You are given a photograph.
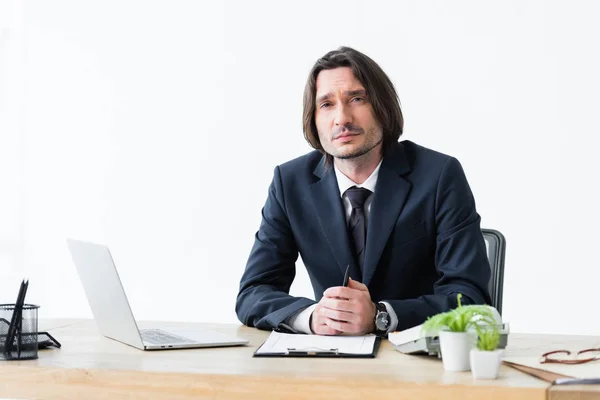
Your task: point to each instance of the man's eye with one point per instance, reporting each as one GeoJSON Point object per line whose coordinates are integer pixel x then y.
{"type": "Point", "coordinates": [325, 105]}
{"type": "Point", "coordinates": [357, 99]}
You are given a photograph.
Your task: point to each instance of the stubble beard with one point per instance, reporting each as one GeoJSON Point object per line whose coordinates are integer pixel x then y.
{"type": "Point", "coordinates": [360, 151]}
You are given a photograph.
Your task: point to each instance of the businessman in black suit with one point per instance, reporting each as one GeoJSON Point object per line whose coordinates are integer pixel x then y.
{"type": "Point", "coordinates": [402, 216]}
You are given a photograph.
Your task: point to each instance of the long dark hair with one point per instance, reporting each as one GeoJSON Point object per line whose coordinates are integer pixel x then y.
{"type": "Point", "coordinates": [380, 91]}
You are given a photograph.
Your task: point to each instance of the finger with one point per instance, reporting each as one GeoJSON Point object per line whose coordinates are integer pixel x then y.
{"type": "Point", "coordinates": [337, 304]}
{"type": "Point", "coordinates": [352, 284]}
{"type": "Point", "coordinates": [344, 327]}
{"type": "Point", "coordinates": [340, 291]}
{"type": "Point", "coordinates": [320, 328]}
{"type": "Point", "coordinates": [325, 330]}
{"type": "Point", "coordinates": [337, 325]}
{"type": "Point", "coordinates": [342, 316]}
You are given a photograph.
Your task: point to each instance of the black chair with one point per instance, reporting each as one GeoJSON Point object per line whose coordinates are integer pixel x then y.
{"type": "Point", "coordinates": [496, 248]}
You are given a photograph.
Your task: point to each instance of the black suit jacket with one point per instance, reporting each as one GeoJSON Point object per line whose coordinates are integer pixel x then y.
{"type": "Point", "coordinates": [424, 241]}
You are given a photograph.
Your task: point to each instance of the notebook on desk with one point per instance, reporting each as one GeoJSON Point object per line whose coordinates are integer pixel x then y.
{"type": "Point", "coordinates": [112, 311]}
{"type": "Point", "coordinates": [290, 345]}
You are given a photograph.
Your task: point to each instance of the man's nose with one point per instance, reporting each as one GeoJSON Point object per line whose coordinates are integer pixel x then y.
{"type": "Point", "coordinates": [343, 115]}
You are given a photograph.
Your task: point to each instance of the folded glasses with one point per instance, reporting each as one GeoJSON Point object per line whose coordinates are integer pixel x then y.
{"type": "Point", "coordinates": [564, 357]}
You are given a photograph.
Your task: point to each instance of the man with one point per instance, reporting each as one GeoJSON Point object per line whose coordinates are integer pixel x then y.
{"type": "Point", "coordinates": [400, 217]}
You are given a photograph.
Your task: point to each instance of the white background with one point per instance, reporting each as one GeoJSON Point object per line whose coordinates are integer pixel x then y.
{"type": "Point", "coordinates": [154, 127]}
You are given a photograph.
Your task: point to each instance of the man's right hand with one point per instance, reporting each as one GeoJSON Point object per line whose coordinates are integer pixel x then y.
{"type": "Point", "coordinates": [317, 322]}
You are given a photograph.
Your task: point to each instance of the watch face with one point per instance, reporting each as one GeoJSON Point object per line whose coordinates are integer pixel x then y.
{"type": "Point", "coordinates": [382, 321]}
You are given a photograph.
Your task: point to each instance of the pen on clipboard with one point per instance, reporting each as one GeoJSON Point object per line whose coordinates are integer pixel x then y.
{"type": "Point", "coordinates": [576, 381]}
{"type": "Point", "coordinates": [347, 276]}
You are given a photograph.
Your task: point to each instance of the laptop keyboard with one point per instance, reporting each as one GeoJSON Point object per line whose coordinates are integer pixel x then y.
{"type": "Point", "coordinates": [156, 336]}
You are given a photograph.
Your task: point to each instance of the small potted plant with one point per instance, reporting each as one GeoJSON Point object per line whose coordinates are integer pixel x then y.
{"type": "Point", "coordinates": [486, 357]}
{"type": "Point", "coordinates": [456, 334]}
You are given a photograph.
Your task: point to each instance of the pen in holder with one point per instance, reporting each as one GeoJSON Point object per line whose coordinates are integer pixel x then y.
{"type": "Point", "coordinates": [18, 332]}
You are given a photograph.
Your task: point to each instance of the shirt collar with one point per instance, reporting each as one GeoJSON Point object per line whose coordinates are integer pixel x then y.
{"type": "Point", "coordinates": [344, 183]}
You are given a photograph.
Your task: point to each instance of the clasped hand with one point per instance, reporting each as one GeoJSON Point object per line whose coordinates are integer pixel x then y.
{"type": "Point", "coordinates": [344, 311]}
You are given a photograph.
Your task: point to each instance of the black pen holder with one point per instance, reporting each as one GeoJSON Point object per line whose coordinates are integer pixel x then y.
{"type": "Point", "coordinates": [18, 333]}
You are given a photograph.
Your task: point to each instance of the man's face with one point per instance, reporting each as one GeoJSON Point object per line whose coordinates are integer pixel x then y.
{"type": "Point", "coordinates": [344, 117]}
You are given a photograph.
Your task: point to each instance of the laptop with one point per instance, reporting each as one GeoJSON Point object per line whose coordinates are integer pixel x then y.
{"type": "Point", "coordinates": [112, 311]}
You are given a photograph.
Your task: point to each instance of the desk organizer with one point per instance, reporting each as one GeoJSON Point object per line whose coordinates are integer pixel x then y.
{"type": "Point", "coordinates": [24, 344]}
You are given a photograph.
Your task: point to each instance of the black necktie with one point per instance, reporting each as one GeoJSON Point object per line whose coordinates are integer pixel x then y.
{"type": "Point", "coordinates": [356, 225]}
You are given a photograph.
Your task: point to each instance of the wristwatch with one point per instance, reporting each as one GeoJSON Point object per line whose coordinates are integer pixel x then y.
{"type": "Point", "coordinates": [382, 319]}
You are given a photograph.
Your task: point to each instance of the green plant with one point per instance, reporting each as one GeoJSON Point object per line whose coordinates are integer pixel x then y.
{"type": "Point", "coordinates": [459, 319]}
{"type": "Point", "coordinates": [487, 337]}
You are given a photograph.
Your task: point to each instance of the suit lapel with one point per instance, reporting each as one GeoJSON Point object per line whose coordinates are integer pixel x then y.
{"type": "Point", "coordinates": [391, 191]}
{"type": "Point", "coordinates": [327, 202]}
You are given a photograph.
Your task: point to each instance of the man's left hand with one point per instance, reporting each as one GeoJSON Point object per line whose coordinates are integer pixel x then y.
{"type": "Point", "coordinates": [349, 309]}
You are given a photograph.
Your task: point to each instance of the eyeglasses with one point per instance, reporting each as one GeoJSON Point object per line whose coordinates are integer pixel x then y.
{"type": "Point", "coordinates": [560, 357]}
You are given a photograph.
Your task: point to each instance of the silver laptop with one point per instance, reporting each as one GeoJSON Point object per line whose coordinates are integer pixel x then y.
{"type": "Point", "coordinates": [112, 311]}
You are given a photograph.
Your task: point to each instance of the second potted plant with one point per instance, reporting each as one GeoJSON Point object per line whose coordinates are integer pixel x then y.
{"type": "Point", "coordinates": [486, 357]}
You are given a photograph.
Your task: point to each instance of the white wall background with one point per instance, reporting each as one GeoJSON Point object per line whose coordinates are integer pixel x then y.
{"type": "Point", "coordinates": [11, 146]}
{"type": "Point", "coordinates": [154, 127]}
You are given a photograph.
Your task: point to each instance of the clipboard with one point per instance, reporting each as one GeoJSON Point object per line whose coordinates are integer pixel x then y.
{"type": "Point", "coordinates": [311, 351]}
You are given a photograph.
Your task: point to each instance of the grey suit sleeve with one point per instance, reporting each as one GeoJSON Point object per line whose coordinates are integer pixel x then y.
{"type": "Point", "coordinates": [263, 299]}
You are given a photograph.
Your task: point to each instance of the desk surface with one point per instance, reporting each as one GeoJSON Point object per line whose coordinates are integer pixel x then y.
{"type": "Point", "coordinates": [92, 367]}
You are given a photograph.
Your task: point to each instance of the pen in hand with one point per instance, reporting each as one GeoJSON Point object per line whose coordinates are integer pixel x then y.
{"type": "Point", "coordinates": [347, 276]}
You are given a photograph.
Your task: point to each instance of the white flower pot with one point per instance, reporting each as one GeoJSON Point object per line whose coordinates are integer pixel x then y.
{"type": "Point", "coordinates": [485, 364]}
{"type": "Point", "coordinates": [455, 348]}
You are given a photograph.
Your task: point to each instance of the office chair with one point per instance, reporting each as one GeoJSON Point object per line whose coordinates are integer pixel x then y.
{"type": "Point", "coordinates": [496, 248]}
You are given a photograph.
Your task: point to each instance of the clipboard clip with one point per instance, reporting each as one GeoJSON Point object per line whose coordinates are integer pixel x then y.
{"type": "Point", "coordinates": [312, 351]}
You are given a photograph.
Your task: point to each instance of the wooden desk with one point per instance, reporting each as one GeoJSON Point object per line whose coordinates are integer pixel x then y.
{"type": "Point", "coordinates": [89, 367]}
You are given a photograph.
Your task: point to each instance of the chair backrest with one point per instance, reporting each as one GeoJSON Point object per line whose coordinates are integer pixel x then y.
{"type": "Point", "coordinates": [496, 248]}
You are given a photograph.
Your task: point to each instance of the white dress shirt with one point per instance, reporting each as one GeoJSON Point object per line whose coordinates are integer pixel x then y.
{"type": "Point", "coordinates": [301, 321]}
